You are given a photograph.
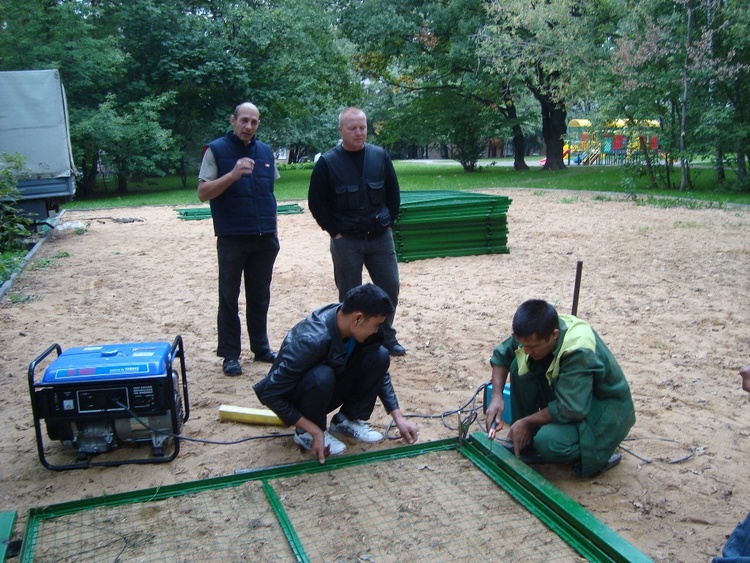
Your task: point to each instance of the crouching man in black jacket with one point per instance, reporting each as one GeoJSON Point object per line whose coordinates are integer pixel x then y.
{"type": "Point", "coordinates": [335, 358]}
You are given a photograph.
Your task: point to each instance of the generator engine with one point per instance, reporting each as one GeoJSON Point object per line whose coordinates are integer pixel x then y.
{"type": "Point", "coordinates": [95, 399]}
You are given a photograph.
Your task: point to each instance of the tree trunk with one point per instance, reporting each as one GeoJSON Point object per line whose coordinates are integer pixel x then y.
{"type": "Point", "coordinates": [182, 171]}
{"type": "Point", "coordinates": [87, 179]}
{"type": "Point", "coordinates": [647, 159]}
{"type": "Point", "coordinates": [668, 172]}
{"type": "Point", "coordinates": [554, 129]}
{"type": "Point", "coordinates": [122, 182]}
{"type": "Point", "coordinates": [519, 151]}
{"type": "Point", "coordinates": [295, 153]}
{"type": "Point", "coordinates": [685, 171]}
{"type": "Point", "coordinates": [721, 175]}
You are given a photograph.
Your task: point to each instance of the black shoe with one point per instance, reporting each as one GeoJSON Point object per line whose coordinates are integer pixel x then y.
{"type": "Point", "coordinates": [267, 357]}
{"type": "Point", "coordinates": [232, 367]}
{"type": "Point", "coordinates": [614, 460]}
{"type": "Point", "coordinates": [396, 349]}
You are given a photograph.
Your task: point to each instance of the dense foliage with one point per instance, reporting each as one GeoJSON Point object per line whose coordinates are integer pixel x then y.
{"type": "Point", "coordinates": [14, 228]}
{"type": "Point", "coordinates": [149, 82]}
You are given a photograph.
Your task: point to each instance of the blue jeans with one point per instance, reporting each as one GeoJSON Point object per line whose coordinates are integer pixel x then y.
{"type": "Point", "coordinates": [737, 548]}
{"type": "Point", "coordinates": [378, 254]}
{"type": "Point", "coordinates": [253, 257]}
{"type": "Point", "coordinates": [355, 390]}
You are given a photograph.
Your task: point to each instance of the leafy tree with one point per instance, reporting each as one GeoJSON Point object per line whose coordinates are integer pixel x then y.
{"type": "Point", "coordinates": [161, 78]}
{"type": "Point", "coordinates": [38, 34]}
{"type": "Point", "coordinates": [180, 50]}
{"type": "Point", "coordinates": [290, 64]}
{"type": "Point", "coordinates": [426, 53]}
{"type": "Point", "coordinates": [134, 140]}
{"type": "Point", "coordinates": [307, 135]}
{"type": "Point", "coordinates": [550, 47]}
{"type": "Point", "coordinates": [684, 64]}
{"type": "Point", "coordinates": [197, 58]}
{"type": "Point", "coordinates": [725, 44]}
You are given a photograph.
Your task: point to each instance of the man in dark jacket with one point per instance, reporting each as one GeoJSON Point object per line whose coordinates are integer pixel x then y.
{"type": "Point", "coordinates": [237, 176]}
{"type": "Point", "coordinates": [354, 196]}
{"type": "Point", "coordinates": [335, 358]}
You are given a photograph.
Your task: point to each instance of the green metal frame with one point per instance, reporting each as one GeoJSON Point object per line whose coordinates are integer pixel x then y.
{"type": "Point", "coordinates": [439, 223]}
{"type": "Point", "coordinates": [568, 519]}
{"type": "Point", "coordinates": [7, 522]}
{"type": "Point", "coordinates": [200, 213]}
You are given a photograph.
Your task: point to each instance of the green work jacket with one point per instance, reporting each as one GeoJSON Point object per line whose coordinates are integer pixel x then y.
{"type": "Point", "coordinates": [581, 383]}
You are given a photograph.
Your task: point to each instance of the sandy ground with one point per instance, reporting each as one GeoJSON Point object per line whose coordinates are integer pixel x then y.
{"type": "Point", "coordinates": [667, 289]}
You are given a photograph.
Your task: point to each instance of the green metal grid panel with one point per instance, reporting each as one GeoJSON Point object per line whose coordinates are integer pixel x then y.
{"type": "Point", "coordinates": [445, 223]}
{"type": "Point", "coordinates": [226, 524]}
{"type": "Point", "coordinates": [439, 500]}
{"type": "Point", "coordinates": [201, 213]}
{"type": "Point", "coordinates": [434, 507]}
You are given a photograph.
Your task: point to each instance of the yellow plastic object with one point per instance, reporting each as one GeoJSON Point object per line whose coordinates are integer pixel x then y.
{"type": "Point", "coordinates": [249, 415]}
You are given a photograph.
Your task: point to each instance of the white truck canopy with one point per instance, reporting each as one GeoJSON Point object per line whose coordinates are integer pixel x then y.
{"type": "Point", "coordinates": [34, 121]}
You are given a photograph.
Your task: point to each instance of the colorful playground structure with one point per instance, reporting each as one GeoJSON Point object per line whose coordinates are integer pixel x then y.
{"type": "Point", "coordinates": [617, 142]}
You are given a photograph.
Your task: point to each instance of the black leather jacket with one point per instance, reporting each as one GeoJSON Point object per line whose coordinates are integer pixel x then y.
{"type": "Point", "coordinates": [311, 342]}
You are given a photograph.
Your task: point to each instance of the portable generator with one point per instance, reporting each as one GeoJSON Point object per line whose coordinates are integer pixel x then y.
{"type": "Point", "coordinates": [97, 398]}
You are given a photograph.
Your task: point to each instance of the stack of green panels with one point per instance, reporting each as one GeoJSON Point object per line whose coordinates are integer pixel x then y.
{"type": "Point", "coordinates": [436, 224]}
{"type": "Point", "coordinates": [199, 213]}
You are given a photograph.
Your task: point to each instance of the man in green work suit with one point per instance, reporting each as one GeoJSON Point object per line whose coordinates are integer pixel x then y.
{"type": "Point", "coordinates": [569, 398]}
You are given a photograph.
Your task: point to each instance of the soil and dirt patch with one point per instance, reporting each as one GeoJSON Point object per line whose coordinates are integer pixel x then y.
{"type": "Point", "coordinates": [666, 288]}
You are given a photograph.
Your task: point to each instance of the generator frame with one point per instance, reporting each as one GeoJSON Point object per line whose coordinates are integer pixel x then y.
{"type": "Point", "coordinates": [37, 391]}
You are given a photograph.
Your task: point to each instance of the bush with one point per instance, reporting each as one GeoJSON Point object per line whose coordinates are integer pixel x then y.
{"type": "Point", "coordinates": [296, 166]}
{"type": "Point", "coordinates": [14, 227]}
{"type": "Point", "coordinates": [9, 262]}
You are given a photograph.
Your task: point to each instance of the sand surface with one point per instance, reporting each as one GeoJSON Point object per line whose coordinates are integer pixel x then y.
{"type": "Point", "coordinates": [666, 288]}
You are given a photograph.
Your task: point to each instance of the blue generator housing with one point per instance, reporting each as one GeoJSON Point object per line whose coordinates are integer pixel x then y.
{"type": "Point", "coordinates": [97, 398]}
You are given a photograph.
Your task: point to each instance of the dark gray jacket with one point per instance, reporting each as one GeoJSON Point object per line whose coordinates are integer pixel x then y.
{"type": "Point", "coordinates": [313, 341]}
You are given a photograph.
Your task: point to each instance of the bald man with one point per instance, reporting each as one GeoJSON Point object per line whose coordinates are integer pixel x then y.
{"type": "Point", "coordinates": [237, 177]}
{"type": "Point", "coordinates": [354, 196]}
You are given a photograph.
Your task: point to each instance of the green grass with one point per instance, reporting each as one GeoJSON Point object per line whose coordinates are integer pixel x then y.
{"type": "Point", "coordinates": [9, 262]}
{"type": "Point", "coordinates": [419, 176]}
{"type": "Point", "coordinates": [607, 183]}
{"type": "Point", "coordinates": [44, 263]}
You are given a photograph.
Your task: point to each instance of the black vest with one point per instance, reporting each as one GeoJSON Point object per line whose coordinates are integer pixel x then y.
{"type": "Point", "coordinates": [359, 199]}
{"type": "Point", "coordinates": [248, 206]}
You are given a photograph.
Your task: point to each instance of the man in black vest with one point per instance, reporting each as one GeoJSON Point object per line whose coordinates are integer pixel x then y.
{"type": "Point", "coordinates": [237, 176]}
{"type": "Point", "coordinates": [354, 196]}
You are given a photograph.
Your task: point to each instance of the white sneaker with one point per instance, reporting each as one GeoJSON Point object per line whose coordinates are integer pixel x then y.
{"type": "Point", "coordinates": [357, 429]}
{"type": "Point", "coordinates": [305, 440]}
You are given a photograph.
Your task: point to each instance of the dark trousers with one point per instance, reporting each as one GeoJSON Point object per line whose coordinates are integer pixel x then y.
{"type": "Point", "coordinates": [350, 254]}
{"type": "Point", "coordinates": [737, 548]}
{"type": "Point", "coordinates": [252, 257]}
{"type": "Point", "coordinates": [558, 443]}
{"type": "Point", "coordinates": [355, 390]}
